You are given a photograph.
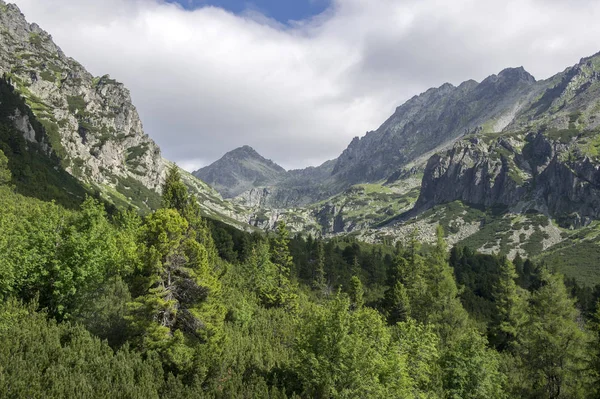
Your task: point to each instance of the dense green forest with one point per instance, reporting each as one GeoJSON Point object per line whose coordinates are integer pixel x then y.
{"type": "Point", "coordinates": [106, 305]}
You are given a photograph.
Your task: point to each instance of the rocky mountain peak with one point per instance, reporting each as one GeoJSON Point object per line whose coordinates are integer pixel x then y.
{"type": "Point", "coordinates": [240, 170]}
{"type": "Point", "coordinates": [516, 74]}
{"type": "Point", "coordinates": [91, 123]}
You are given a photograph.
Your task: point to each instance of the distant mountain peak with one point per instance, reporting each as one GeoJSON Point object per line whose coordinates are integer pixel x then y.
{"type": "Point", "coordinates": [518, 73]}
{"type": "Point", "coordinates": [240, 170]}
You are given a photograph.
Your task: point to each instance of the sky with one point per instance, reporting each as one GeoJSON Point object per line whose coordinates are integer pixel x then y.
{"type": "Point", "coordinates": [298, 79]}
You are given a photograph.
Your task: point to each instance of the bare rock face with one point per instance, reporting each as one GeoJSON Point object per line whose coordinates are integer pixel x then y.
{"type": "Point", "coordinates": [552, 177]}
{"type": "Point", "coordinates": [438, 116]}
{"type": "Point", "coordinates": [91, 123]}
{"type": "Point", "coordinates": [471, 172]}
{"type": "Point", "coordinates": [548, 156]}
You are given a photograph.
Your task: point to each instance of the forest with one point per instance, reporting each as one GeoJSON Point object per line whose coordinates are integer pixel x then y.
{"type": "Point", "coordinates": [106, 303]}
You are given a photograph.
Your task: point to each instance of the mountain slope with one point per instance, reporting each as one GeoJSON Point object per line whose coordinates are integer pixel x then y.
{"type": "Point", "coordinates": [35, 170]}
{"type": "Point", "coordinates": [89, 123]}
{"type": "Point", "coordinates": [432, 119]}
{"type": "Point", "coordinates": [548, 156]}
{"type": "Point", "coordinates": [240, 170]}
{"type": "Point", "coordinates": [423, 124]}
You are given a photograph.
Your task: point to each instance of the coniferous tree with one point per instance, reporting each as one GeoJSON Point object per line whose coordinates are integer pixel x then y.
{"type": "Point", "coordinates": [174, 192]}
{"type": "Point", "coordinates": [441, 304]}
{"type": "Point", "coordinates": [281, 256]}
{"type": "Point", "coordinates": [398, 304]}
{"type": "Point", "coordinates": [552, 346]}
{"type": "Point", "coordinates": [5, 174]}
{"type": "Point", "coordinates": [319, 281]}
{"type": "Point", "coordinates": [511, 312]}
{"type": "Point", "coordinates": [356, 293]}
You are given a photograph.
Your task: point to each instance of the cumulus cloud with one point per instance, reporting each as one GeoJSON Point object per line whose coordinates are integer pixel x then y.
{"type": "Point", "coordinates": [207, 81]}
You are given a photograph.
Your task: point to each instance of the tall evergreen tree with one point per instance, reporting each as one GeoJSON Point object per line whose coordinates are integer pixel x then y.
{"type": "Point", "coordinates": [397, 304]}
{"type": "Point", "coordinates": [280, 254]}
{"type": "Point", "coordinates": [552, 346]}
{"type": "Point", "coordinates": [441, 303]}
{"type": "Point", "coordinates": [511, 311]}
{"type": "Point", "coordinates": [356, 293]}
{"type": "Point", "coordinates": [174, 192]}
{"type": "Point", "coordinates": [5, 174]}
{"type": "Point", "coordinates": [319, 281]}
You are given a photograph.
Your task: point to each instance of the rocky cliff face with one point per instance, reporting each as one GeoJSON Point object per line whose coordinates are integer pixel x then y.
{"type": "Point", "coordinates": [90, 123]}
{"type": "Point", "coordinates": [546, 158]}
{"type": "Point", "coordinates": [424, 123]}
{"type": "Point", "coordinates": [432, 119]}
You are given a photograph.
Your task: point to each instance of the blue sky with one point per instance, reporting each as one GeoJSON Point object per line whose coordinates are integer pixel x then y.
{"type": "Point", "coordinates": [280, 10]}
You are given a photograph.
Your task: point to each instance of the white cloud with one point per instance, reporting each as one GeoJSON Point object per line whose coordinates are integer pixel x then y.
{"type": "Point", "coordinates": [207, 81]}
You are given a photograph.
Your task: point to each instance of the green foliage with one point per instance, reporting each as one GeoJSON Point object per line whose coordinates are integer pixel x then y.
{"type": "Point", "coordinates": [5, 175]}
{"type": "Point", "coordinates": [35, 39]}
{"type": "Point", "coordinates": [349, 354]}
{"type": "Point", "coordinates": [510, 314]}
{"type": "Point", "coordinates": [471, 370]}
{"type": "Point", "coordinates": [34, 172]}
{"type": "Point", "coordinates": [48, 76]}
{"type": "Point", "coordinates": [356, 293]}
{"type": "Point", "coordinates": [552, 346]}
{"type": "Point", "coordinates": [136, 152]}
{"type": "Point", "coordinates": [76, 104]}
{"type": "Point", "coordinates": [170, 305]}
{"type": "Point", "coordinates": [41, 358]}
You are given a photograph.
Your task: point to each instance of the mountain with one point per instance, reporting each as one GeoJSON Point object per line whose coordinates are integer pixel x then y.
{"type": "Point", "coordinates": [88, 123]}
{"type": "Point", "coordinates": [417, 128]}
{"type": "Point", "coordinates": [548, 156]}
{"type": "Point", "coordinates": [240, 170]}
{"type": "Point", "coordinates": [508, 165]}
{"type": "Point", "coordinates": [431, 120]}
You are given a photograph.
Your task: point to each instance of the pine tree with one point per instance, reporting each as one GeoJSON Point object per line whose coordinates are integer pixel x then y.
{"type": "Point", "coordinates": [5, 175]}
{"type": "Point", "coordinates": [356, 293]}
{"type": "Point", "coordinates": [551, 345]}
{"type": "Point", "coordinates": [280, 254]}
{"type": "Point", "coordinates": [319, 282]}
{"type": "Point", "coordinates": [510, 303]}
{"type": "Point", "coordinates": [174, 192]}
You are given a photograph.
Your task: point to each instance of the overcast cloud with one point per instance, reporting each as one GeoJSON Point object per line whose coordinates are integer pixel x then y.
{"type": "Point", "coordinates": [207, 81]}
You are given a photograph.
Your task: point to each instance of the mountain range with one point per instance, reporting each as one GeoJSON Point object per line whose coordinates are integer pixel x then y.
{"type": "Point", "coordinates": [509, 164]}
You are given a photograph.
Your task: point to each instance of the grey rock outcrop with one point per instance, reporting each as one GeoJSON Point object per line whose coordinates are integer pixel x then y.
{"type": "Point", "coordinates": [90, 122]}
{"type": "Point", "coordinates": [547, 156]}
{"type": "Point", "coordinates": [92, 125]}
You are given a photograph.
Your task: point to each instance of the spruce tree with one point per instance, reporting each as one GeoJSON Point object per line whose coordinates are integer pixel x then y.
{"type": "Point", "coordinates": [511, 312]}
{"type": "Point", "coordinates": [441, 304]}
{"type": "Point", "coordinates": [280, 254]}
{"type": "Point", "coordinates": [356, 293]}
{"type": "Point", "coordinates": [552, 346]}
{"type": "Point", "coordinates": [319, 282]}
{"type": "Point", "coordinates": [174, 192]}
{"type": "Point", "coordinates": [398, 304]}
{"type": "Point", "coordinates": [5, 175]}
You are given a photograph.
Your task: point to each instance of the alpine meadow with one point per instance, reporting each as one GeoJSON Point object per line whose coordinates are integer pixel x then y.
{"type": "Point", "coordinates": [452, 253]}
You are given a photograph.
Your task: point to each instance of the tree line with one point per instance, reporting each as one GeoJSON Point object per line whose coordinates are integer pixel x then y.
{"type": "Point", "coordinates": [170, 304]}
